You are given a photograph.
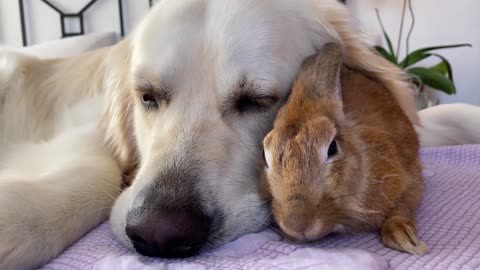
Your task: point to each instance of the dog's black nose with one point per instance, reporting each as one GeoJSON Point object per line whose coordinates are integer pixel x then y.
{"type": "Point", "coordinates": [171, 233]}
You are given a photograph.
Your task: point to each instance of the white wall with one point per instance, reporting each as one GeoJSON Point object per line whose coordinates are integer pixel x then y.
{"type": "Point", "coordinates": [438, 22]}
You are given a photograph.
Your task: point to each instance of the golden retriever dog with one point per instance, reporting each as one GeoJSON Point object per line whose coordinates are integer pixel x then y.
{"type": "Point", "coordinates": [176, 111]}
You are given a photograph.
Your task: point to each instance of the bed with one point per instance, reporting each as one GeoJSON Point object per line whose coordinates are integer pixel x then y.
{"type": "Point", "coordinates": [448, 220]}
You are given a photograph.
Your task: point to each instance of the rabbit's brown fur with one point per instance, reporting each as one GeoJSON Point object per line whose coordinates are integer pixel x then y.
{"type": "Point", "coordinates": [375, 179]}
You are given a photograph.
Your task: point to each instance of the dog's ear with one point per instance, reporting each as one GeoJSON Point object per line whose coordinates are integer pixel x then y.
{"type": "Point", "coordinates": [333, 22]}
{"type": "Point", "coordinates": [117, 121]}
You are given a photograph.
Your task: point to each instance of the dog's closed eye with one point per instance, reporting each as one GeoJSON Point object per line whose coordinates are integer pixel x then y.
{"type": "Point", "coordinates": [247, 99]}
{"type": "Point", "coordinates": [245, 103]}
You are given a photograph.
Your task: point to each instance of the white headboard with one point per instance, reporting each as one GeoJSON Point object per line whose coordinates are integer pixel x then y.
{"type": "Point", "coordinates": [27, 22]}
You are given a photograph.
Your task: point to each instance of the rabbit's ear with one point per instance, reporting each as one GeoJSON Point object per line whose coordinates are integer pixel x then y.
{"type": "Point", "coordinates": [323, 71]}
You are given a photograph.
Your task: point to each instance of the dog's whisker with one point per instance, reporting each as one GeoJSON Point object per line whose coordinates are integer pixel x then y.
{"type": "Point", "coordinates": [110, 195]}
{"type": "Point", "coordinates": [265, 220]}
{"type": "Point", "coordinates": [239, 210]}
{"type": "Point", "coordinates": [242, 184]}
{"type": "Point", "coordinates": [255, 153]}
{"type": "Point", "coordinates": [118, 188]}
{"type": "Point", "coordinates": [273, 228]}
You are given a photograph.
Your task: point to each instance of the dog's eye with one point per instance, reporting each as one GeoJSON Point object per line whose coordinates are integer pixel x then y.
{"type": "Point", "coordinates": [251, 103]}
{"type": "Point", "coordinates": [149, 101]}
{"type": "Point", "coordinates": [332, 149]}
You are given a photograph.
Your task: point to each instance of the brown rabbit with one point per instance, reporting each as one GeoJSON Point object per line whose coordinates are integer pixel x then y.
{"type": "Point", "coordinates": [343, 157]}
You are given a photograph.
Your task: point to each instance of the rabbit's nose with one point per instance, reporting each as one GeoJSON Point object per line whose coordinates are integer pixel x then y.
{"type": "Point", "coordinates": [316, 230]}
{"type": "Point", "coordinates": [295, 225]}
{"type": "Point", "coordinates": [303, 231]}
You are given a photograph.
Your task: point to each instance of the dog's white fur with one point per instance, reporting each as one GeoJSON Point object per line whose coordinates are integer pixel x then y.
{"type": "Point", "coordinates": [57, 178]}
{"type": "Point", "coordinates": [449, 124]}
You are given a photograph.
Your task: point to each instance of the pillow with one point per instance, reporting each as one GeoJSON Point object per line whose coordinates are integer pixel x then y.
{"type": "Point", "coordinates": [69, 46]}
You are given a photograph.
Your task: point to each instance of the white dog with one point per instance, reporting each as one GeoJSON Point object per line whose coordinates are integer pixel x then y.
{"type": "Point", "coordinates": [188, 98]}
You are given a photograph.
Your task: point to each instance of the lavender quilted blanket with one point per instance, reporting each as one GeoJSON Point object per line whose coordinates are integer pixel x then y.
{"type": "Point", "coordinates": [449, 222]}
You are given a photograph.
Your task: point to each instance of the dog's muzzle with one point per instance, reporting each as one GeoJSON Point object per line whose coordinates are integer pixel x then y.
{"type": "Point", "coordinates": [169, 233]}
{"type": "Point", "coordinates": [166, 219]}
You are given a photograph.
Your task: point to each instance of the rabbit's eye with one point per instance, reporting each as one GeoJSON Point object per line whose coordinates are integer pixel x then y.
{"type": "Point", "coordinates": [332, 149]}
{"type": "Point", "coordinates": [264, 158]}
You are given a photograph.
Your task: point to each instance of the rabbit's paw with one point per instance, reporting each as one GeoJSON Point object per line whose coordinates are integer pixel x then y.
{"type": "Point", "coordinates": [400, 233]}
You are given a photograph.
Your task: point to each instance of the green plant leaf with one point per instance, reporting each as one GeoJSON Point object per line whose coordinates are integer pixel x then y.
{"type": "Point", "coordinates": [413, 59]}
{"type": "Point", "coordinates": [385, 35]}
{"type": "Point", "coordinates": [444, 66]}
{"type": "Point", "coordinates": [441, 67]}
{"type": "Point", "coordinates": [386, 55]}
{"type": "Point", "coordinates": [434, 79]}
{"type": "Point", "coordinates": [421, 54]}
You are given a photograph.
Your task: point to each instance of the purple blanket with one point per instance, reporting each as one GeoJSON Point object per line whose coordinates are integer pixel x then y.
{"type": "Point", "coordinates": [448, 221]}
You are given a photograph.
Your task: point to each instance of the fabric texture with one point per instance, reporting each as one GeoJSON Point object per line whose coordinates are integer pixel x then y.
{"type": "Point", "coordinates": [448, 221]}
{"type": "Point", "coordinates": [68, 46]}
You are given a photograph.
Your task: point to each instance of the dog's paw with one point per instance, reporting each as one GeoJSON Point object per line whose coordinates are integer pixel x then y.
{"type": "Point", "coordinates": [11, 229]}
{"type": "Point", "coordinates": [21, 245]}
{"type": "Point", "coordinates": [6, 258]}
{"type": "Point", "coordinates": [401, 234]}
{"type": "Point", "coordinates": [16, 254]}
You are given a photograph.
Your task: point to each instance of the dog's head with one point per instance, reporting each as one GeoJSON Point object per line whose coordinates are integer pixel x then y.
{"type": "Point", "coordinates": [205, 80]}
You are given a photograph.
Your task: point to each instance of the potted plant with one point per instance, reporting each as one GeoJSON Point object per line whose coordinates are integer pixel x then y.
{"type": "Point", "coordinates": [438, 77]}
